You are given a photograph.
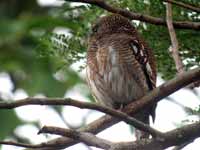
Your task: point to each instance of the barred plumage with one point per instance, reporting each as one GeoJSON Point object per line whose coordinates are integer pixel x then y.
{"type": "Point", "coordinates": [120, 66]}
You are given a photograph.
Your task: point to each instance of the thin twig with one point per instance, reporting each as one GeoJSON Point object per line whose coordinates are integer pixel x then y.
{"type": "Point", "coordinates": [184, 5]}
{"type": "Point", "coordinates": [175, 46]}
{"type": "Point", "coordinates": [23, 144]}
{"type": "Point", "coordinates": [174, 41]}
{"type": "Point", "coordinates": [186, 109]}
{"type": "Point", "coordinates": [138, 16]}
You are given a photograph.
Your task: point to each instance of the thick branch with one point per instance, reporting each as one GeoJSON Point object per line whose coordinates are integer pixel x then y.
{"type": "Point", "coordinates": [174, 137]}
{"type": "Point", "coordinates": [157, 94]}
{"type": "Point", "coordinates": [171, 138]}
{"type": "Point", "coordinates": [138, 16]}
{"type": "Point", "coordinates": [184, 5]}
{"type": "Point", "coordinates": [182, 145]}
{"type": "Point", "coordinates": [164, 90]}
{"type": "Point", "coordinates": [87, 138]}
{"type": "Point", "coordinates": [174, 50]}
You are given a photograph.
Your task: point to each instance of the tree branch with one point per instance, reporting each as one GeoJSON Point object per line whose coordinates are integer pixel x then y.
{"type": "Point", "coordinates": [157, 94]}
{"type": "Point", "coordinates": [184, 5]}
{"type": "Point", "coordinates": [175, 46]}
{"type": "Point", "coordinates": [164, 89]}
{"type": "Point", "coordinates": [171, 138]}
{"type": "Point", "coordinates": [182, 145]}
{"type": "Point", "coordinates": [174, 137]}
{"type": "Point", "coordinates": [174, 50]}
{"type": "Point", "coordinates": [138, 16]}
{"type": "Point", "coordinates": [24, 145]}
{"type": "Point", "coordinates": [87, 138]}
{"type": "Point", "coordinates": [69, 102]}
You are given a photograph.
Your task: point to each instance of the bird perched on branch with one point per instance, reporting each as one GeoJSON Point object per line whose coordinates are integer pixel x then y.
{"type": "Point", "coordinates": [120, 66]}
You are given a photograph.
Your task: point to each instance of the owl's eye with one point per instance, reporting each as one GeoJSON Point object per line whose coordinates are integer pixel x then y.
{"type": "Point", "coordinates": [95, 28]}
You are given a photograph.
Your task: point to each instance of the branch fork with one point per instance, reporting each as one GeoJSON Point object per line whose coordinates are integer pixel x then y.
{"type": "Point", "coordinates": [115, 116]}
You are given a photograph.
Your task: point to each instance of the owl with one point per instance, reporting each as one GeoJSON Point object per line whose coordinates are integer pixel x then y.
{"type": "Point", "coordinates": [121, 67]}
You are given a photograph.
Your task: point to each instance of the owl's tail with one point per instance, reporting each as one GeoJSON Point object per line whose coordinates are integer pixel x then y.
{"type": "Point", "coordinates": [144, 117]}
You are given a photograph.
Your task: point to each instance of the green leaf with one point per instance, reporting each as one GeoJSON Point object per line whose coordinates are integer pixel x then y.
{"type": "Point", "coordinates": [9, 121]}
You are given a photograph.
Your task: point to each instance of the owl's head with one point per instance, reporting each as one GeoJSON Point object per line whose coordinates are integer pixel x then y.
{"type": "Point", "coordinates": [112, 24]}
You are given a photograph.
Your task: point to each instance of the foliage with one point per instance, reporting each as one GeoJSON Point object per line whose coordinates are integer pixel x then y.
{"type": "Point", "coordinates": [33, 53]}
{"type": "Point", "coordinates": [8, 123]}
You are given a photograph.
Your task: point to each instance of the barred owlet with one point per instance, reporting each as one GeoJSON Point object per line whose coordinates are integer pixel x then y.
{"type": "Point", "coordinates": [120, 66]}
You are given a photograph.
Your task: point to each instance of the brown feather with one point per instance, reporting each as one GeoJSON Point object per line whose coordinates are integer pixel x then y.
{"type": "Point", "coordinates": [121, 67]}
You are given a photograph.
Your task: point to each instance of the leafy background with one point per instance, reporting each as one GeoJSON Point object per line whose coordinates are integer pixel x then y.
{"type": "Point", "coordinates": [39, 44]}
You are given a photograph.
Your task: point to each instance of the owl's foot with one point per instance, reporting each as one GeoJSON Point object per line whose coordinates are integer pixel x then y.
{"type": "Point", "coordinates": [141, 134]}
{"type": "Point", "coordinates": [121, 107]}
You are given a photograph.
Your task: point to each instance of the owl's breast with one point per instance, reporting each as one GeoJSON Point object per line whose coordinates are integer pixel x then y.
{"type": "Point", "coordinates": [113, 83]}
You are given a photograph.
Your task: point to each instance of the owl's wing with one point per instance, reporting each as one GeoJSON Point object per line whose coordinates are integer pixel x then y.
{"type": "Point", "coordinates": [145, 57]}
{"type": "Point", "coordinates": [141, 54]}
